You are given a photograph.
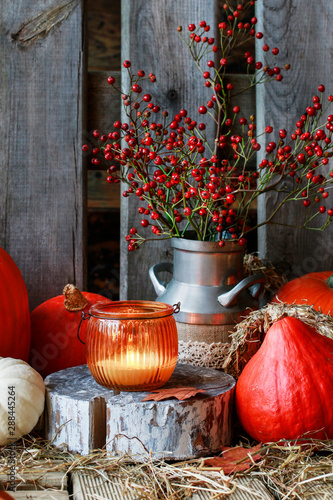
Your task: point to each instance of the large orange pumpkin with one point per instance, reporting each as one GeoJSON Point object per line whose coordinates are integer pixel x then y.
{"type": "Point", "coordinates": [14, 310]}
{"type": "Point", "coordinates": [313, 289]}
{"type": "Point", "coordinates": [5, 496]}
{"type": "Point", "coordinates": [54, 324]}
{"type": "Point", "coordinates": [285, 390]}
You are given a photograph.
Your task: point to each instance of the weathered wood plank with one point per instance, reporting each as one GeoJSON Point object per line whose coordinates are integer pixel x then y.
{"type": "Point", "coordinates": [42, 182]}
{"type": "Point", "coordinates": [103, 102]}
{"type": "Point", "coordinates": [101, 194]}
{"type": "Point", "coordinates": [103, 20]}
{"type": "Point", "coordinates": [317, 490]}
{"type": "Point", "coordinates": [86, 484]}
{"type": "Point", "coordinates": [39, 495]}
{"type": "Point", "coordinates": [247, 488]}
{"type": "Point", "coordinates": [36, 480]}
{"type": "Point", "coordinates": [104, 108]}
{"type": "Point", "coordinates": [150, 40]}
{"type": "Point", "coordinates": [286, 25]}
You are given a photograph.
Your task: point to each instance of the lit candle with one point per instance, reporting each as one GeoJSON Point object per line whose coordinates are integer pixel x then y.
{"type": "Point", "coordinates": [135, 369]}
{"type": "Point", "coordinates": [132, 346]}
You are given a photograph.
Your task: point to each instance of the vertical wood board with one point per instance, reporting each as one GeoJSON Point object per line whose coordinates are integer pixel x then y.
{"type": "Point", "coordinates": [302, 30]}
{"type": "Point", "coordinates": [103, 102]}
{"type": "Point", "coordinates": [103, 22]}
{"type": "Point", "coordinates": [104, 108]}
{"type": "Point", "coordinates": [42, 181]}
{"type": "Point", "coordinates": [151, 42]}
{"type": "Point", "coordinates": [103, 105]}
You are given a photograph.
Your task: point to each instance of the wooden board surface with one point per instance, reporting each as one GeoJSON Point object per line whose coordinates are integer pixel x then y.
{"type": "Point", "coordinates": [42, 184]}
{"type": "Point", "coordinates": [104, 108]}
{"type": "Point", "coordinates": [39, 495]}
{"type": "Point", "coordinates": [245, 488]}
{"type": "Point", "coordinates": [36, 480]}
{"type": "Point", "coordinates": [87, 416]}
{"type": "Point", "coordinates": [87, 484]}
{"type": "Point", "coordinates": [288, 25]}
{"type": "Point", "coordinates": [101, 194]}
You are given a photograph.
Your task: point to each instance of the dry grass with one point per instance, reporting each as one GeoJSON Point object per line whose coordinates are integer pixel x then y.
{"type": "Point", "coordinates": [274, 279]}
{"type": "Point", "coordinates": [249, 333]}
{"type": "Point", "coordinates": [289, 471]}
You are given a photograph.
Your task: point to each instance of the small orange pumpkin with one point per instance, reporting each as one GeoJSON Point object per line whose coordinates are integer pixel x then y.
{"type": "Point", "coordinates": [54, 324]}
{"type": "Point", "coordinates": [313, 289]}
{"type": "Point", "coordinates": [5, 496]}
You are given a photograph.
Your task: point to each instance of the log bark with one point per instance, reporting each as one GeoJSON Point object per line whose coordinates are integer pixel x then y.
{"type": "Point", "coordinates": [172, 429]}
{"type": "Point", "coordinates": [75, 410]}
{"type": "Point", "coordinates": [85, 416]}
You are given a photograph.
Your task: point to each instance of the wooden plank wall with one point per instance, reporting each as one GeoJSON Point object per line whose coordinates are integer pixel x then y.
{"type": "Point", "coordinates": [303, 31]}
{"type": "Point", "coordinates": [42, 182]}
{"type": "Point", "coordinates": [42, 176]}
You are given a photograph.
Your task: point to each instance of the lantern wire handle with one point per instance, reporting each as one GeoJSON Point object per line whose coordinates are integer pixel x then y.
{"type": "Point", "coordinates": [176, 308]}
{"type": "Point", "coordinates": [84, 316]}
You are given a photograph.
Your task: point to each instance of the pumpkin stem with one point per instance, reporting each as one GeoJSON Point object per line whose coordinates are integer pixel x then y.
{"type": "Point", "coordinates": [74, 299]}
{"type": "Point", "coordinates": [329, 281]}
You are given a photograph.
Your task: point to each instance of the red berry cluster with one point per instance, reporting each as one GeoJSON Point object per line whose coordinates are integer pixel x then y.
{"type": "Point", "coordinates": [183, 181]}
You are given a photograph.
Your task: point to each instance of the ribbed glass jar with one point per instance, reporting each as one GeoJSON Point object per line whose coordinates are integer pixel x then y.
{"type": "Point", "coordinates": [131, 345]}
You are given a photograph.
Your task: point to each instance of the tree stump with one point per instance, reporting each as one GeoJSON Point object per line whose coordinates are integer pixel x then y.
{"type": "Point", "coordinates": [83, 415]}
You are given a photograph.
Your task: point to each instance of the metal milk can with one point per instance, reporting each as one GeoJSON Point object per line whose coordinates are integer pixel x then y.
{"type": "Point", "coordinates": [208, 282]}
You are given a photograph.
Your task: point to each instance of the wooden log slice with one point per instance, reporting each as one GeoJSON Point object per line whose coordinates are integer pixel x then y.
{"type": "Point", "coordinates": [173, 429]}
{"type": "Point", "coordinates": [75, 410]}
{"type": "Point", "coordinates": [84, 415]}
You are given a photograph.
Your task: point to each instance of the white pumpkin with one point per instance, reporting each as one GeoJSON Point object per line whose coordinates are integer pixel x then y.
{"type": "Point", "coordinates": [22, 397]}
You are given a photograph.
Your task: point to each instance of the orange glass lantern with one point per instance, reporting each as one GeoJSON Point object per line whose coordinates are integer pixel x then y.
{"type": "Point", "coordinates": [131, 345]}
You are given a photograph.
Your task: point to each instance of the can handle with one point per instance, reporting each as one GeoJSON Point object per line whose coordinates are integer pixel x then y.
{"type": "Point", "coordinates": [255, 283]}
{"type": "Point", "coordinates": [159, 286]}
{"type": "Point", "coordinates": [84, 316]}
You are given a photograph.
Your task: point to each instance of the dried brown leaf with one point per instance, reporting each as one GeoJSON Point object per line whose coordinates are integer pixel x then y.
{"type": "Point", "coordinates": [179, 393]}
{"type": "Point", "coordinates": [234, 459]}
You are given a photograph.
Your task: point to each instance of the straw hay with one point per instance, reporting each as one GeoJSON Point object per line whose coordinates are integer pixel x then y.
{"type": "Point", "coordinates": [288, 471]}
{"type": "Point", "coordinates": [274, 279]}
{"type": "Point", "coordinates": [250, 332]}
